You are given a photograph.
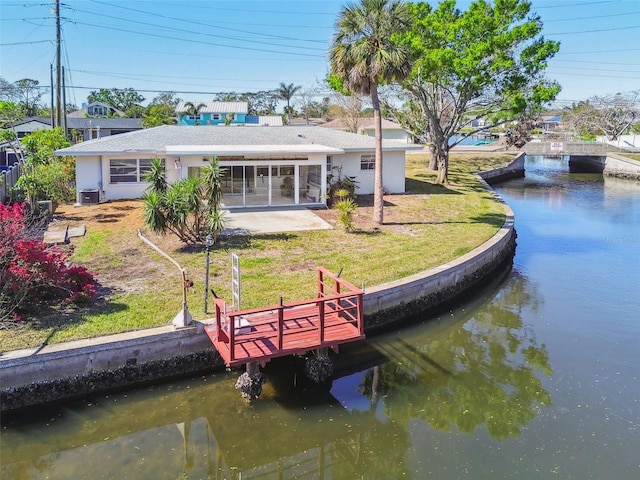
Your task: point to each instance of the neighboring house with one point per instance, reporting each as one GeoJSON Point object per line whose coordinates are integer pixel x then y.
{"type": "Point", "coordinates": [263, 120]}
{"type": "Point", "coordinates": [478, 122]}
{"type": "Point", "coordinates": [306, 121]}
{"type": "Point", "coordinates": [30, 125]}
{"type": "Point", "coordinates": [390, 130]}
{"type": "Point", "coordinates": [267, 166]}
{"type": "Point", "coordinates": [92, 128]}
{"type": "Point", "coordinates": [213, 113]}
{"type": "Point", "coordinates": [223, 113]}
{"type": "Point", "coordinates": [8, 157]}
{"type": "Point", "coordinates": [97, 110]}
{"type": "Point", "coordinates": [550, 123]}
{"type": "Point", "coordinates": [88, 128]}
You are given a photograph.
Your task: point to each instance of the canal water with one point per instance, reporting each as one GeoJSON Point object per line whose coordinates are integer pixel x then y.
{"type": "Point", "coordinates": [535, 377]}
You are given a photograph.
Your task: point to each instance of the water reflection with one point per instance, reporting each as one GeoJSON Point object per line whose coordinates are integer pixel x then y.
{"type": "Point", "coordinates": [483, 373]}
{"type": "Point", "coordinates": [476, 369]}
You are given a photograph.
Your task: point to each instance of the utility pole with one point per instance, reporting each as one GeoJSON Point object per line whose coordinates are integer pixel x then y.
{"type": "Point", "coordinates": [59, 107]}
{"type": "Point", "coordinates": [64, 103]}
{"type": "Point", "coordinates": [53, 108]}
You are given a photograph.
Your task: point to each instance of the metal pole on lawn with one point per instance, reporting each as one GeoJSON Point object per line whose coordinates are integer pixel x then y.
{"type": "Point", "coordinates": [208, 242]}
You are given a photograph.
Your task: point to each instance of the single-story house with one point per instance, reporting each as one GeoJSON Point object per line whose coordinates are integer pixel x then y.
{"type": "Point", "coordinates": [265, 166]}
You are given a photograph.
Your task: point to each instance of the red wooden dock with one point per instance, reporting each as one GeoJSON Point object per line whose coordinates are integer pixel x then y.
{"type": "Point", "coordinates": [260, 334]}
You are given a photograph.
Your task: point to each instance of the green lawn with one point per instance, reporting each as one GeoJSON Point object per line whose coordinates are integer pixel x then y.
{"type": "Point", "coordinates": [428, 226]}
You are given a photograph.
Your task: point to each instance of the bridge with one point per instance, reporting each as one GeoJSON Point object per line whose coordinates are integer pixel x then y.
{"type": "Point", "coordinates": [567, 147]}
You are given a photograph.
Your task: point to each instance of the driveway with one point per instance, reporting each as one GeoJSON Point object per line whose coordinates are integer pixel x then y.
{"type": "Point", "coordinates": [272, 221]}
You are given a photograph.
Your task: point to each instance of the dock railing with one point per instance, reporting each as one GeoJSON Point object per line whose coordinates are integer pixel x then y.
{"type": "Point", "coordinates": [336, 297]}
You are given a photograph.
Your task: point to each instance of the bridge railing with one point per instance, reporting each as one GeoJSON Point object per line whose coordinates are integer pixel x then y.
{"type": "Point", "coordinates": [562, 147]}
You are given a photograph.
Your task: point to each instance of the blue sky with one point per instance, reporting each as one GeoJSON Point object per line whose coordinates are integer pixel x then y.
{"type": "Point", "coordinates": [197, 48]}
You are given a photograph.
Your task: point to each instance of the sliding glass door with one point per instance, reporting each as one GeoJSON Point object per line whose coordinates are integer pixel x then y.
{"type": "Point", "coordinates": [265, 185]}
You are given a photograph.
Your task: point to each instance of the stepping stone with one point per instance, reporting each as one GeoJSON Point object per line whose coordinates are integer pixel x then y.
{"type": "Point", "coordinates": [77, 230]}
{"type": "Point", "coordinates": [56, 235]}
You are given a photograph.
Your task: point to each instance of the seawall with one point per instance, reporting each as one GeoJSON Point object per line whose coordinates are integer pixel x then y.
{"type": "Point", "coordinates": [515, 169]}
{"type": "Point", "coordinates": [56, 372]}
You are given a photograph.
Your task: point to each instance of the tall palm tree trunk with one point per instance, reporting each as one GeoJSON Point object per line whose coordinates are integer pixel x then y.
{"type": "Point", "coordinates": [378, 185]}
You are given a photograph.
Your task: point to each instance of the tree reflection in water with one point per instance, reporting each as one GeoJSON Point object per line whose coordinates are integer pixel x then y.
{"type": "Point", "coordinates": [485, 371]}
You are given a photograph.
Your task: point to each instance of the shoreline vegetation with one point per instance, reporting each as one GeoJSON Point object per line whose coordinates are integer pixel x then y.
{"type": "Point", "coordinates": [427, 226]}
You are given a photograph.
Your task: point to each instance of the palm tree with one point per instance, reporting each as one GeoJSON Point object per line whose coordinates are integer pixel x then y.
{"type": "Point", "coordinates": [192, 109]}
{"type": "Point", "coordinates": [364, 55]}
{"type": "Point", "coordinates": [286, 92]}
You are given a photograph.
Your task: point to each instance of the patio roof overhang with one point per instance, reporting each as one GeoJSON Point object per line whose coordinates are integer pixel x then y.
{"type": "Point", "coordinates": [250, 149]}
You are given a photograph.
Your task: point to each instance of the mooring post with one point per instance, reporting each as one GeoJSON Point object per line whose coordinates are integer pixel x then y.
{"type": "Point", "coordinates": [251, 381]}
{"type": "Point", "coordinates": [319, 367]}
{"type": "Point", "coordinates": [253, 368]}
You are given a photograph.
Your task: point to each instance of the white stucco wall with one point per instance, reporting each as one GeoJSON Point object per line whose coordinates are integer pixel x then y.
{"type": "Point", "coordinates": [393, 171]}
{"type": "Point", "coordinates": [93, 171]}
{"type": "Point", "coordinates": [87, 174]}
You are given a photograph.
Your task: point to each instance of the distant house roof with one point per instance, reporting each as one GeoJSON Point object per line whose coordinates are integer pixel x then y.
{"type": "Point", "coordinates": [305, 121]}
{"type": "Point", "coordinates": [43, 120]}
{"type": "Point", "coordinates": [88, 122]}
{"type": "Point", "coordinates": [216, 107]}
{"type": "Point", "coordinates": [335, 124]}
{"type": "Point", "coordinates": [84, 111]}
{"type": "Point", "coordinates": [107, 123]}
{"type": "Point", "coordinates": [264, 120]}
{"type": "Point", "coordinates": [363, 124]}
{"type": "Point", "coordinates": [214, 139]}
{"type": "Point", "coordinates": [553, 119]}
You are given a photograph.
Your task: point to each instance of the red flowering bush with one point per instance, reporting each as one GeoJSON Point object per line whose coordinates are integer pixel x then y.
{"type": "Point", "coordinates": [31, 272]}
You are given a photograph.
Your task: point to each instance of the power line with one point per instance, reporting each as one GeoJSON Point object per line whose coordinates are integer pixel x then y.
{"type": "Point", "coordinates": [595, 31]}
{"type": "Point", "coordinates": [573, 19]}
{"type": "Point", "coordinates": [218, 8]}
{"type": "Point", "coordinates": [173, 29]}
{"type": "Point", "coordinates": [590, 52]}
{"type": "Point", "coordinates": [571, 5]}
{"type": "Point", "coordinates": [25, 43]}
{"type": "Point", "coordinates": [551, 71]}
{"type": "Point", "coordinates": [199, 42]}
{"type": "Point", "coordinates": [154, 76]}
{"type": "Point", "coordinates": [195, 22]}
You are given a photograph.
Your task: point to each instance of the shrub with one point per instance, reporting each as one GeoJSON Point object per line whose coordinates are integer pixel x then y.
{"type": "Point", "coordinates": [32, 273]}
{"type": "Point", "coordinates": [339, 183]}
{"type": "Point", "coordinates": [189, 208]}
{"type": "Point", "coordinates": [346, 206]}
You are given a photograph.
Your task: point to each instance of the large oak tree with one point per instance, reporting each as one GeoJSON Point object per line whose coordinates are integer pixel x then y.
{"type": "Point", "coordinates": [487, 62]}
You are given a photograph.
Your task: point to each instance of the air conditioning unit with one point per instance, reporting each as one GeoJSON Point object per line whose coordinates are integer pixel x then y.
{"type": "Point", "coordinates": [89, 197]}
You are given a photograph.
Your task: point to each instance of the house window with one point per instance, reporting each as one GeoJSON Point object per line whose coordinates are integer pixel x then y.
{"type": "Point", "coordinates": [196, 117]}
{"type": "Point", "coordinates": [129, 170]}
{"type": "Point", "coordinates": [99, 111]}
{"type": "Point", "coordinates": [216, 116]}
{"type": "Point", "coordinates": [367, 162]}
